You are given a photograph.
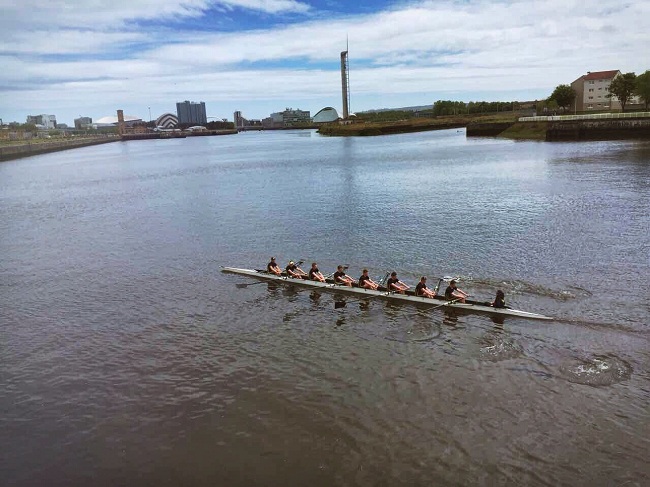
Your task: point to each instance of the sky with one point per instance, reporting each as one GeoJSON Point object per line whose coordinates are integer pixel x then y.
{"type": "Point", "coordinates": [74, 58]}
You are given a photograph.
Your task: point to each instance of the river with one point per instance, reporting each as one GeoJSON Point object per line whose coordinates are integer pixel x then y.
{"type": "Point", "coordinates": [128, 358]}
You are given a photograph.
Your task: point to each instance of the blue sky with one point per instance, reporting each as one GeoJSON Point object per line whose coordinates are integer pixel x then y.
{"type": "Point", "coordinates": [71, 58]}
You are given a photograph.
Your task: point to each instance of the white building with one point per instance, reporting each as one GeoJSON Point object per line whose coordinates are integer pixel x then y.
{"type": "Point", "coordinates": [592, 90]}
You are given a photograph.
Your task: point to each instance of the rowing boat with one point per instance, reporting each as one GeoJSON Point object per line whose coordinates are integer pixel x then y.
{"type": "Point", "coordinates": [383, 293]}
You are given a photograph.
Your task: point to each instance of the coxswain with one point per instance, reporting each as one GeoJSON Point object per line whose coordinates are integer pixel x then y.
{"type": "Point", "coordinates": [294, 271]}
{"type": "Point", "coordinates": [452, 293]}
{"type": "Point", "coordinates": [422, 290]}
{"type": "Point", "coordinates": [314, 273]}
{"type": "Point", "coordinates": [366, 282]}
{"type": "Point", "coordinates": [273, 268]}
{"type": "Point", "coordinates": [340, 277]}
{"type": "Point", "coordinates": [394, 284]}
{"type": "Point", "coordinates": [499, 300]}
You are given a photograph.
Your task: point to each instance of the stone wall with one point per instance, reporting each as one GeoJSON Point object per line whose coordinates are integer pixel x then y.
{"type": "Point", "coordinates": [627, 128]}
{"type": "Point", "coordinates": [31, 149]}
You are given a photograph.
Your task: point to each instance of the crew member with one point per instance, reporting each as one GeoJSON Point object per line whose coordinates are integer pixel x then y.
{"type": "Point", "coordinates": [394, 284]}
{"type": "Point", "coordinates": [366, 282]}
{"type": "Point", "coordinates": [314, 273]}
{"type": "Point", "coordinates": [452, 293]}
{"type": "Point", "coordinates": [422, 290]}
{"type": "Point", "coordinates": [273, 268]}
{"type": "Point", "coordinates": [340, 277]}
{"type": "Point", "coordinates": [294, 271]}
{"type": "Point", "coordinates": [499, 300]}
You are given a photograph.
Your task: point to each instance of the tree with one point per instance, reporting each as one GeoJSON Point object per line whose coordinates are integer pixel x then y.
{"type": "Point", "coordinates": [643, 87]}
{"type": "Point", "coordinates": [623, 87]}
{"type": "Point", "coordinates": [563, 96]}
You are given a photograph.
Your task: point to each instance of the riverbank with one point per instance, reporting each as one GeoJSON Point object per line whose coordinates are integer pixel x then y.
{"type": "Point", "coordinates": [387, 128]}
{"type": "Point", "coordinates": [19, 149]}
{"type": "Point", "coordinates": [575, 128]}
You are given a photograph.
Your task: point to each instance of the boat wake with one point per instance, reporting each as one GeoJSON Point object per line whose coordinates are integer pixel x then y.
{"type": "Point", "coordinates": [516, 286]}
{"type": "Point", "coordinates": [496, 347]}
{"type": "Point", "coordinates": [597, 370]}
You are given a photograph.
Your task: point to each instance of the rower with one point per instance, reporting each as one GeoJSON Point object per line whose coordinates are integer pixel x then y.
{"type": "Point", "coordinates": [499, 300]}
{"type": "Point", "coordinates": [452, 293]}
{"type": "Point", "coordinates": [366, 282]}
{"type": "Point", "coordinates": [340, 277]}
{"type": "Point", "coordinates": [273, 268]}
{"type": "Point", "coordinates": [315, 274]}
{"type": "Point", "coordinates": [422, 290]}
{"type": "Point", "coordinates": [294, 271]}
{"type": "Point", "coordinates": [394, 284]}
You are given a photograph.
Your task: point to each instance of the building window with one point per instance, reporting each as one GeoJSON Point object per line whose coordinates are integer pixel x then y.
{"type": "Point", "coordinates": [591, 97]}
{"type": "Point", "coordinates": [591, 82]}
{"type": "Point", "coordinates": [590, 106]}
{"type": "Point", "coordinates": [590, 90]}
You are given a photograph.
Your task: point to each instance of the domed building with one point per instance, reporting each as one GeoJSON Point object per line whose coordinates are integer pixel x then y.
{"type": "Point", "coordinates": [112, 121]}
{"type": "Point", "coordinates": [167, 120]}
{"type": "Point", "coordinates": [327, 114]}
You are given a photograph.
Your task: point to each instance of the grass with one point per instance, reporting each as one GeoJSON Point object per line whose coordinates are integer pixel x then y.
{"type": "Point", "coordinates": [526, 131]}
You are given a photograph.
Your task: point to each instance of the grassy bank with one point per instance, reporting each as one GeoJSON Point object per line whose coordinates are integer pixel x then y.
{"type": "Point", "coordinates": [367, 128]}
{"type": "Point", "coordinates": [526, 131]}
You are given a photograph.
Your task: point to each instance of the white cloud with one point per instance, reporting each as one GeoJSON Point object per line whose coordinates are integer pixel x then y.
{"type": "Point", "coordinates": [432, 49]}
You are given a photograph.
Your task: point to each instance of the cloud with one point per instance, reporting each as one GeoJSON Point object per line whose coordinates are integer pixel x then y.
{"type": "Point", "coordinates": [126, 52]}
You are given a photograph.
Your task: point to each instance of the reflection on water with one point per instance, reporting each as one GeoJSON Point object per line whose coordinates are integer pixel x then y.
{"type": "Point", "coordinates": [129, 359]}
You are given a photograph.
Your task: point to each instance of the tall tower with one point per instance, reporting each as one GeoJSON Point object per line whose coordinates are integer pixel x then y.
{"type": "Point", "coordinates": [120, 122]}
{"type": "Point", "coordinates": [345, 83]}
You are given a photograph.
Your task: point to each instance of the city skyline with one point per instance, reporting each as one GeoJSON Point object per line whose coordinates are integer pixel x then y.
{"type": "Point", "coordinates": [256, 57]}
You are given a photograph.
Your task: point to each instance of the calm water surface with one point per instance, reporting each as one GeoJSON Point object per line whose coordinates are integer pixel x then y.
{"type": "Point", "coordinates": [128, 358]}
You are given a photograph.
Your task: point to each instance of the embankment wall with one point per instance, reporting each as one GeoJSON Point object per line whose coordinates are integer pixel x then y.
{"type": "Point", "coordinates": [628, 128]}
{"type": "Point", "coordinates": [31, 149]}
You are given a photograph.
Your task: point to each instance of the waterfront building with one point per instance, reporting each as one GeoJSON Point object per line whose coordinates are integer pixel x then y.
{"type": "Point", "coordinates": [274, 121]}
{"type": "Point", "coordinates": [239, 120]}
{"type": "Point", "coordinates": [292, 117]}
{"type": "Point", "coordinates": [44, 121]}
{"type": "Point", "coordinates": [83, 123]}
{"type": "Point", "coordinates": [592, 90]}
{"type": "Point", "coordinates": [191, 112]}
{"type": "Point", "coordinates": [167, 120]}
{"type": "Point", "coordinates": [287, 118]}
{"type": "Point", "coordinates": [327, 114]}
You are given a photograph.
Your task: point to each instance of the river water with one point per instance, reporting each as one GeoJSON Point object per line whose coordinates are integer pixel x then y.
{"type": "Point", "coordinates": [128, 358]}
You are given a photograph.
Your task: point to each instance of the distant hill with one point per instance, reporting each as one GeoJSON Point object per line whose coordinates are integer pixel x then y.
{"type": "Point", "coordinates": [403, 109]}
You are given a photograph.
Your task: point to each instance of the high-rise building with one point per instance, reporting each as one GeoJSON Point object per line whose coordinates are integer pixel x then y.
{"type": "Point", "coordinates": [238, 119]}
{"type": "Point", "coordinates": [191, 112]}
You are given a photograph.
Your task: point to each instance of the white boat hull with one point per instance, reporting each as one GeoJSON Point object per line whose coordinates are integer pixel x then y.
{"type": "Point", "coordinates": [471, 307]}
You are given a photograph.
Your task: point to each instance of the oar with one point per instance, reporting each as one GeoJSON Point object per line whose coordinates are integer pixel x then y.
{"type": "Point", "coordinates": [246, 284]}
{"type": "Point", "coordinates": [341, 304]}
{"type": "Point", "coordinates": [435, 307]}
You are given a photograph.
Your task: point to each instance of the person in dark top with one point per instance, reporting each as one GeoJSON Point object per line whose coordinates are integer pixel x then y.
{"type": "Point", "coordinates": [499, 300]}
{"type": "Point", "coordinates": [273, 268]}
{"type": "Point", "coordinates": [422, 290]}
{"type": "Point", "coordinates": [294, 271]}
{"type": "Point", "coordinates": [366, 282]}
{"type": "Point", "coordinates": [314, 273]}
{"type": "Point", "coordinates": [340, 277]}
{"type": "Point", "coordinates": [452, 293]}
{"type": "Point", "coordinates": [394, 284]}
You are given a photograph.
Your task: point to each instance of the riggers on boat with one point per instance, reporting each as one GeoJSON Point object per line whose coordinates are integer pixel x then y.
{"type": "Point", "coordinates": [384, 294]}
